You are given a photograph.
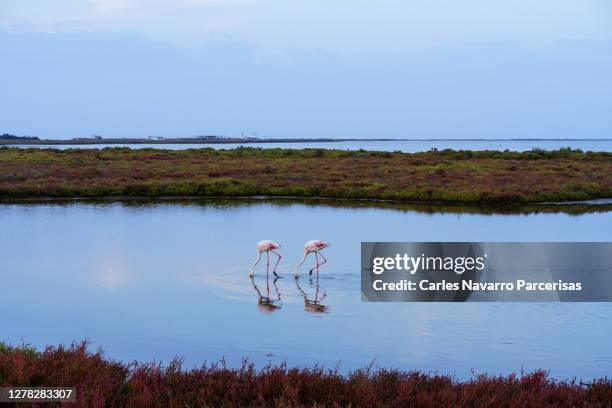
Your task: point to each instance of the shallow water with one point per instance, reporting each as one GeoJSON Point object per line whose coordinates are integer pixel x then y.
{"type": "Point", "coordinates": [410, 146]}
{"type": "Point", "coordinates": [153, 281]}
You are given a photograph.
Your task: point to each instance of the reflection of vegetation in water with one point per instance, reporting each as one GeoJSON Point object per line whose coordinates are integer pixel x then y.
{"type": "Point", "coordinates": [425, 208]}
{"type": "Point", "coordinates": [435, 176]}
{"type": "Point", "coordinates": [103, 382]}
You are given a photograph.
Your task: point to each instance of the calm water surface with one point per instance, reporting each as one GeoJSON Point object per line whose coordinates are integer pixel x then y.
{"type": "Point", "coordinates": [405, 146]}
{"type": "Point", "coordinates": [155, 281]}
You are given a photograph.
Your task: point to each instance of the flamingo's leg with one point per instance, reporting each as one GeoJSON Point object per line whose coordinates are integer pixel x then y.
{"type": "Point", "coordinates": [316, 264]}
{"type": "Point", "coordinates": [267, 262]}
{"type": "Point", "coordinates": [317, 253]}
{"type": "Point", "coordinates": [324, 259]}
{"type": "Point", "coordinates": [277, 261]}
{"type": "Point", "coordinates": [267, 285]}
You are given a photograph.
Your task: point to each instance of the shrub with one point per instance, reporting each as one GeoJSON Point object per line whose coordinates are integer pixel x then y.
{"type": "Point", "coordinates": [101, 382]}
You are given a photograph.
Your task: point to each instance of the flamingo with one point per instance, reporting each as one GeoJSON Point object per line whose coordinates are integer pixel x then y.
{"type": "Point", "coordinates": [315, 246]}
{"type": "Point", "coordinates": [266, 246]}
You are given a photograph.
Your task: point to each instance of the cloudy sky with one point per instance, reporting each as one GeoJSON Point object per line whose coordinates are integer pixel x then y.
{"type": "Point", "coordinates": [419, 69]}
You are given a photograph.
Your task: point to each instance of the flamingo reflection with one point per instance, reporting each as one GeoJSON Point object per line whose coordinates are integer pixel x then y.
{"type": "Point", "coordinates": [267, 304]}
{"type": "Point", "coordinates": [313, 304]}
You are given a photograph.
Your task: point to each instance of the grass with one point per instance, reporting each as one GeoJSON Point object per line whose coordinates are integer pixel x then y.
{"type": "Point", "coordinates": [436, 176]}
{"type": "Point", "coordinates": [101, 382]}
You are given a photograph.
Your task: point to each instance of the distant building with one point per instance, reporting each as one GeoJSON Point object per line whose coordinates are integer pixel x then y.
{"type": "Point", "coordinates": [209, 137]}
{"type": "Point", "coordinates": [155, 138]}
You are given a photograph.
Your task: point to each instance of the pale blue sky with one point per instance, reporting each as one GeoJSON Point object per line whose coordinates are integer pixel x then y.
{"type": "Point", "coordinates": [418, 69]}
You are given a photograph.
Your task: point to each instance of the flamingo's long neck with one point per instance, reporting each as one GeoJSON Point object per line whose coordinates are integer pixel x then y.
{"type": "Point", "coordinates": [301, 262]}
{"type": "Point", "coordinates": [256, 262]}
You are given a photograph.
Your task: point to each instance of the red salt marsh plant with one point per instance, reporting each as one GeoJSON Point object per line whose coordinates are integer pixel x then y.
{"type": "Point", "coordinates": [101, 382]}
{"type": "Point", "coordinates": [436, 176]}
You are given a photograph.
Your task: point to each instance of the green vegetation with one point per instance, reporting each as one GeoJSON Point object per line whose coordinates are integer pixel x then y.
{"type": "Point", "coordinates": [436, 176]}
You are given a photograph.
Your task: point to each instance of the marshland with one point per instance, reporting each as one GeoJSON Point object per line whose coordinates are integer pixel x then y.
{"type": "Point", "coordinates": [146, 253]}
{"type": "Point", "coordinates": [154, 154]}
{"type": "Point", "coordinates": [462, 176]}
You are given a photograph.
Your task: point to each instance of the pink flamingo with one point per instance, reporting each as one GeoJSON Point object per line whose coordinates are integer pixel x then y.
{"type": "Point", "coordinates": [266, 246]}
{"type": "Point", "coordinates": [315, 246]}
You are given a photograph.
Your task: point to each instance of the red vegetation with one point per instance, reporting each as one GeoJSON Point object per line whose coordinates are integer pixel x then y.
{"type": "Point", "coordinates": [105, 383]}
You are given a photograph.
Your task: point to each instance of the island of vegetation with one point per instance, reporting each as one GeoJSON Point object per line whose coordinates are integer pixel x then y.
{"type": "Point", "coordinates": [435, 176]}
{"type": "Point", "coordinates": [101, 382]}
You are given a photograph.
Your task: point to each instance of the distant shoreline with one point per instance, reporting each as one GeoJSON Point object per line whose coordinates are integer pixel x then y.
{"type": "Point", "coordinates": [137, 141]}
